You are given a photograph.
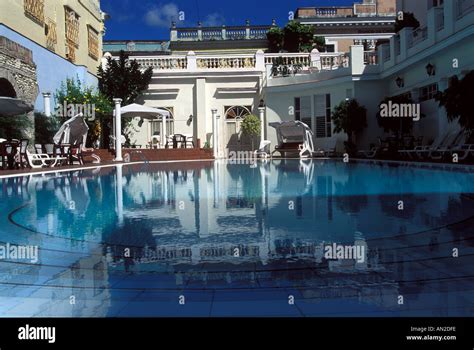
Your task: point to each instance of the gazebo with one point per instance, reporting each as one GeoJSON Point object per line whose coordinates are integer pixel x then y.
{"type": "Point", "coordinates": [135, 110]}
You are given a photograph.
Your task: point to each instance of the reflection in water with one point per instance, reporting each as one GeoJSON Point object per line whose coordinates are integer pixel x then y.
{"type": "Point", "coordinates": [216, 227]}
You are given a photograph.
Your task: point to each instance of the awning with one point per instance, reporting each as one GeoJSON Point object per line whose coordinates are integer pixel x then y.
{"type": "Point", "coordinates": [14, 106]}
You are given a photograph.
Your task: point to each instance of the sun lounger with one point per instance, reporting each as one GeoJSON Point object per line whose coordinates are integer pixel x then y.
{"type": "Point", "coordinates": [37, 161]}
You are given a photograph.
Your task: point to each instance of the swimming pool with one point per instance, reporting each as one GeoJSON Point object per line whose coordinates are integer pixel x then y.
{"type": "Point", "coordinates": [223, 239]}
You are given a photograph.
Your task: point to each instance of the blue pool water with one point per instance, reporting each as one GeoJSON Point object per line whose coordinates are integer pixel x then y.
{"type": "Point", "coordinates": [220, 239]}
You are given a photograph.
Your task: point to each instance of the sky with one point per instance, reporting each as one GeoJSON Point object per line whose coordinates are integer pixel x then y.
{"type": "Point", "coordinates": [150, 19]}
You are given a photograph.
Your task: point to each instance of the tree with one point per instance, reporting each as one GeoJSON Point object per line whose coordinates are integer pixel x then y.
{"type": "Point", "coordinates": [14, 127]}
{"type": "Point", "coordinates": [407, 19]}
{"type": "Point", "coordinates": [275, 39]}
{"type": "Point", "coordinates": [251, 127]}
{"type": "Point", "coordinates": [294, 37]}
{"type": "Point", "coordinates": [72, 92]}
{"type": "Point", "coordinates": [398, 126]}
{"type": "Point", "coordinates": [351, 118]}
{"type": "Point", "coordinates": [457, 100]}
{"type": "Point", "coordinates": [123, 78]}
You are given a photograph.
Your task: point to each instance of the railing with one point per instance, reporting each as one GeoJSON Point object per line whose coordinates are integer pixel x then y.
{"type": "Point", "coordinates": [221, 33]}
{"type": "Point", "coordinates": [188, 34]}
{"type": "Point", "coordinates": [440, 19]}
{"type": "Point", "coordinates": [302, 59]}
{"type": "Point", "coordinates": [35, 9]}
{"type": "Point", "coordinates": [334, 61]}
{"type": "Point", "coordinates": [163, 63]}
{"type": "Point", "coordinates": [464, 7]}
{"type": "Point", "coordinates": [371, 58]}
{"type": "Point", "coordinates": [419, 35]}
{"type": "Point", "coordinates": [237, 62]}
{"type": "Point", "coordinates": [236, 34]}
{"type": "Point", "coordinates": [212, 34]}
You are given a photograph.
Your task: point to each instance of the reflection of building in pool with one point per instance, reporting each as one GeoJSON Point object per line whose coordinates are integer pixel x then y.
{"type": "Point", "coordinates": [79, 290]}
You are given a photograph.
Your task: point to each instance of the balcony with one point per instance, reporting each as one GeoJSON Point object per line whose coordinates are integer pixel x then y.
{"type": "Point", "coordinates": [35, 10]}
{"type": "Point", "coordinates": [464, 7]}
{"type": "Point", "coordinates": [200, 33]}
{"type": "Point", "coordinates": [419, 35]}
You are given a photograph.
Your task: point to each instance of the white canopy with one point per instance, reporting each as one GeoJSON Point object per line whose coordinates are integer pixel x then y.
{"type": "Point", "coordinates": [136, 110]}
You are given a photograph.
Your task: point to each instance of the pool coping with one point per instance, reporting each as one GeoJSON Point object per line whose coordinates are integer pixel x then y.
{"type": "Point", "coordinates": [467, 168]}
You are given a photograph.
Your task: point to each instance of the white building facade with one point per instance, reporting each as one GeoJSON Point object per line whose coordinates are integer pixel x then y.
{"type": "Point", "coordinates": [211, 92]}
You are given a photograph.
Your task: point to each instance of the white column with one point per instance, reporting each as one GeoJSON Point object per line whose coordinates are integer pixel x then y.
{"type": "Point", "coordinates": [47, 103]}
{"type": "Point", "coordinates": [261, 113]}
{"type": "Point", "coordinates": [118, 130]}
{"type": "Point", "coordinates": [214, 132]}
{"type": "Point", "coordinates": [163, 131]}
{"type": "Point", "coordinates": [119, 183]}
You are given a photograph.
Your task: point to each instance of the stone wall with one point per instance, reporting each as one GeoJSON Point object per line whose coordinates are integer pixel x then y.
{"type": "Point", "coordinates": [16, 66]}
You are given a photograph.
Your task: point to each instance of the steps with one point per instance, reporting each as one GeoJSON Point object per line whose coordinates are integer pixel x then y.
{"type": "Point", "coordinates": [137, 155]}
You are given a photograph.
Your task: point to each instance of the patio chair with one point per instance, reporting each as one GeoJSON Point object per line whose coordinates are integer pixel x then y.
{"type": "Point", "coordinates": [441, 152]}
{"type": "Point", "coordinates": [75, 154]}
{"type": "Point", "coordinates": [328, 149]}
{"type": "Point", "coordinates": [23, 159]}
{"type": "Point", "coordinates": [39, 149]}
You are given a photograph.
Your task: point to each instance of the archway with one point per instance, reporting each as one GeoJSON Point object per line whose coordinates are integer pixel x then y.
{"type": "Point", "coordinates": [233, 118]}
{"type": "Point", "coordinates": [7, 89]}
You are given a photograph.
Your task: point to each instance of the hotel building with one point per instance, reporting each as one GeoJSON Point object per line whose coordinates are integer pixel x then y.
{"type": "Point", "coordinates": [210, 85]}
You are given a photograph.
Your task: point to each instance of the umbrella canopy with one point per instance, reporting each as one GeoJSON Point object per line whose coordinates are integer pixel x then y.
{"type": "Point", "coordinates": [74, 131]}
{"type": "Point", "coordinates": [145, 112]}
{"type": "Point", "coordinates": [14, 106]}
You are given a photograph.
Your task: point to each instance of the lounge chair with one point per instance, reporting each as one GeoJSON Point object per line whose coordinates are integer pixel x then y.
{"type": "Point", "coordinates": [418, 151]}
{"type": "Point", "coordinates": [444, 145]}
{"type": "Point", "coordinates": [37, 161]}
{"type": "Point", "coordinates": [458, 141]}
{"type": "Point", "coordinates": [294, 137]}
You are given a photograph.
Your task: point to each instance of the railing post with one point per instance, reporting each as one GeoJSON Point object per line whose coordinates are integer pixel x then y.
{"type": "Point", "coordinates": [406, 34]}
{"type": "Point", "coordinates": [432, 25]}
{"type": "Point", "coordinates": [192, 61]}
{"type": "Point", "coordinates": [199, 30]}
{"type": "Point", "coordinates": [224, 32]}
{"type": "Point", "coordinates": [173, 32]}
{"type": "Point", "coordinates": [260, 61]}
{"type": "Point", "coordinates": [247, 29]}
{"type": "Point", "coordinates": [450, 15]}
{"type": "Point", "coordinates": [357, 59]}
{"type": "Point", "coordinates": [315, 57]}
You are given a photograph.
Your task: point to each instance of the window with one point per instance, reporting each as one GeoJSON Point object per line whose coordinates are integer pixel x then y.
{"type": "Point", "coordinates": [155, 125]}
{"type": "Point", "coordinates": [322, 115]}
{"type": "Point", "coordinates": [93, 36]}
{"type": "Point", "coordinates": [51, 35]}
{"type": "Point", "coordinates": [303, 110]}
{"type": "Point", "coordinates": [35, 10]}
{"type": "Point", "coordinates": [428, 92]}
{"type": "Point", "coordinates": [72, 27]}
